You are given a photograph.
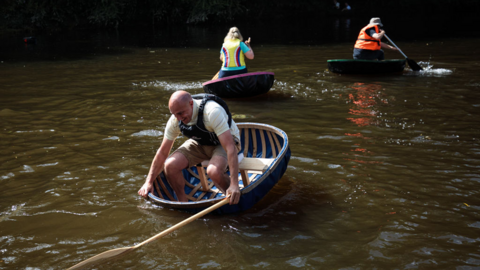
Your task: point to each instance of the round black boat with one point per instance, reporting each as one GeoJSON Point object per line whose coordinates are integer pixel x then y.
{"type": "Point", "coordinates": [241, 86]}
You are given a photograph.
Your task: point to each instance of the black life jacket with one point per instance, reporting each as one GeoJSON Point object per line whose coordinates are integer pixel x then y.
{"type": "Point", "coordinates": [198, 132]}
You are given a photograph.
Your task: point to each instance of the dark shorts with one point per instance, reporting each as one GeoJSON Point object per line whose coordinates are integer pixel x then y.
{"type": "Point", "coordinates": [368, 54]}
{"type": "Point", "coordinates": [226, 73]}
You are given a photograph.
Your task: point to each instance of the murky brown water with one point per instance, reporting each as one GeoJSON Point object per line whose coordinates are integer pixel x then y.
{"type": "Point", "coordinates": [384, 171]}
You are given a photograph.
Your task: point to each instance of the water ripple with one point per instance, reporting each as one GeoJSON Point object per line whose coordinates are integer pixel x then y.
{"type": "Point", "coordinates": [150, 132]}
{"type": "Point", "coordinates": [169, 86]}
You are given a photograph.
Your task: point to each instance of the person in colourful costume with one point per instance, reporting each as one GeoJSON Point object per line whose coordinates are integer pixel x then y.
{"type": "Point", "coordinates": [233, 54]}
{"type": "Point", "coordinates": [207, 122]}
{"type": "Point", "coordinates": [368, 45]}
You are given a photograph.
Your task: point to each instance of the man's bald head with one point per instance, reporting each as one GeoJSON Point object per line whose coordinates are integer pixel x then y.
{"type": "Point", "coordinates": [179, 97]}
{"type": "Point", "coordinates": [181, 105]}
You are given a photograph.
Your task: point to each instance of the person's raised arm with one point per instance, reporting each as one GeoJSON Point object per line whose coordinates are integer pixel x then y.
{"type": "Point", "coordinates": [156, 167]}
{"type": "Point", "coordinates": [249, 54]}
{"type": "Point", "coordinates": [228, 144]}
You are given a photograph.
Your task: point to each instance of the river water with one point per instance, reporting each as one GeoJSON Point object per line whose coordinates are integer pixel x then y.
{"type": "Point", "coordinates": [384, 171]}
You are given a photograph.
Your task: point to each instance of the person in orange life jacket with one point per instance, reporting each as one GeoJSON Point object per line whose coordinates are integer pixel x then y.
{"type": "Point", "coordinates": [233, 54]}
{"type": "Point", "coordinates": [368, 45]}
{"type": "Point", "coordinates": [207, 122]}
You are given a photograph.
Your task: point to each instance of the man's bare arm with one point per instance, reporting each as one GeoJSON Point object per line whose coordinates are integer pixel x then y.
{"type": "Point", "coordinates": [228, 144]}
{"type": "Point", "coordinates": [156, 167]}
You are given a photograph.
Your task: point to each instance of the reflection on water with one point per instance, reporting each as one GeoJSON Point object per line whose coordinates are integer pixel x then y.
{"type": "Point", "coordinates": [364, 101]}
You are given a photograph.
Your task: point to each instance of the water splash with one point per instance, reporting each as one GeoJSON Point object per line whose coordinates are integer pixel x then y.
{"type": "Point", "coordinates": [429, 71]}
{"type": "Point", "coordinates": [150, 132]}
{"type": "Point", "coordinates": [169, 86]}
{"type": "Point", "coordinates": [309, 90]}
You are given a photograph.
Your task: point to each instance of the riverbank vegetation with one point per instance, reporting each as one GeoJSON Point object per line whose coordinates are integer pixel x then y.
{"type": "Point", "coordinates": [56, 15]}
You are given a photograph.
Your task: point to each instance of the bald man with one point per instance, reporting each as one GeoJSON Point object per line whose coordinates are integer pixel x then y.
{"type": "Point", "coordinates": [212, 134]}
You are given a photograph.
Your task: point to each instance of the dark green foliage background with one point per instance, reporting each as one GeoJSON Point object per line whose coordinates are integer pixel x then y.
{"type": "Point", "coordinates": [53, 15]}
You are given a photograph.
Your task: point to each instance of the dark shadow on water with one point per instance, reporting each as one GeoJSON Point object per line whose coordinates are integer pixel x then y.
{"type": "Point", "coordinates": [373, 75]}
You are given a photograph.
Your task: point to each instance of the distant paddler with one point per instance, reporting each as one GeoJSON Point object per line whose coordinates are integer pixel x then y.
{"type": "Point", "coordinates": [369, 45]}
{"type": "Point", "coordinates": [233, 54]}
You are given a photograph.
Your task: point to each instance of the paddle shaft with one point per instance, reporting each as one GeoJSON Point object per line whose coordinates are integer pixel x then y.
{"type": "Point", "coordinates": [413, 65]}
{"type": "Point", "coordinates": [385, 35]}
{"type": "Point", "coordinates": [215, 76]}
{"type": "Point", "coordinates": [185, 222]}
{"type": "Point", "coordinates": [122, 251]}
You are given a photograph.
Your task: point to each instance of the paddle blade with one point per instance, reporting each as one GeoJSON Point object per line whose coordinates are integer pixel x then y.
{"type": "Point", "coordinates": [109, 254]}
{"type": "Point", "coordinates": [413, 65]}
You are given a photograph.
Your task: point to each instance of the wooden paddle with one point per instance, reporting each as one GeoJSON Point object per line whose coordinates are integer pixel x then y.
{"type": "Point", "coordinates": [410, 62]}
{"type": "Point", "coordinates": [109, 254]}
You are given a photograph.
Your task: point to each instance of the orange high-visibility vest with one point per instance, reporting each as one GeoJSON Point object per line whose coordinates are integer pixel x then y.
{"type": "Point", "coordinates": [367, 42]}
